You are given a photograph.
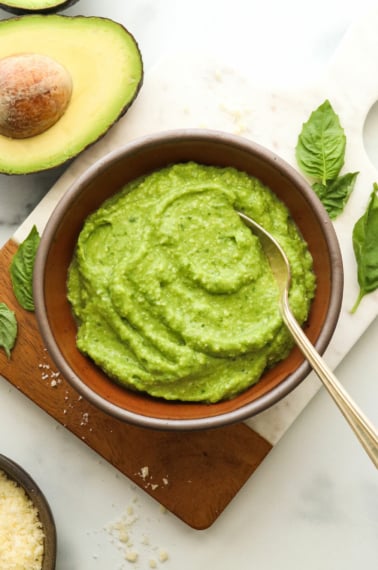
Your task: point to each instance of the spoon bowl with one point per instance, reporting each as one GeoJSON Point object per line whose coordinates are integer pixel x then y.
{"type": "Point", "coordinates": [362, 427]}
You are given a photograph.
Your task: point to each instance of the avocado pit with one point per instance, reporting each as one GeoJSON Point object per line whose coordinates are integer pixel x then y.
{"type": "Point", "coordinates": [35, 91]}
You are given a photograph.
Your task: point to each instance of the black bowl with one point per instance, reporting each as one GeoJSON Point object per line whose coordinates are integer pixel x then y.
{"type": "Point", "coordinates": [22, 478]}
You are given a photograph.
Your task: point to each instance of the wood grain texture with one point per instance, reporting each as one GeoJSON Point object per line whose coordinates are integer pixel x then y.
{"type": "Point", "coordinates": [193, 474]}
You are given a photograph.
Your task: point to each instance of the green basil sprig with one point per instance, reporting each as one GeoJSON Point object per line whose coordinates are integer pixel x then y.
{"type": "Point", "coordinates": [8, 329]}
{"type": "Point", "coordinates": [21, 270]}
{"type": "Point", "coordinates": [365, 245]}
{"type": "Point", "coordinates": [320, 154]}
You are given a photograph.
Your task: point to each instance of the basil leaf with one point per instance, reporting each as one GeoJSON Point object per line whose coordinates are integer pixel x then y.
{"type": "Point", "coordinates": [335, 193]}
{"type": "Point", "coordinates": [365, 245]}
{"type": "Point", "coordinates": [321, 145]}
{"type": "Point", "coordinates": [8, 328]}
{"type": "Point", "coordinates": [21, 270]}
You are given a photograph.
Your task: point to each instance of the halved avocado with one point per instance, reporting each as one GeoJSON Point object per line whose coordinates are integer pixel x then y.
{"type": "Point", "coordinates": [105, 65]}
{"type": "Point", "coordinates": [36, 6]}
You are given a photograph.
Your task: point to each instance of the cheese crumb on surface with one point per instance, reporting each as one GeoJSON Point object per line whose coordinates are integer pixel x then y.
{"type": "Point", "coordinates": [21, 533]}
{"type": "Point", "coordinates": [144, 472]}
{"type": "Point", "coordinates": [131, 556]}
{"type": "Point", "coordinates": [123, 536]}
{"type": "Point", "coordinates": [163, 555]}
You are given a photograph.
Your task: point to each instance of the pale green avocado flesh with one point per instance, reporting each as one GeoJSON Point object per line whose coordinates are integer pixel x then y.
{"type": "Point", "coordinates": [172, 292]}
{"type": "Point", "coordinates": [105, 65]}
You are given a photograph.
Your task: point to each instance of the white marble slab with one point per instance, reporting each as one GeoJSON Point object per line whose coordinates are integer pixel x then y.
{"type": "Point", "coordinates": [191, 90]}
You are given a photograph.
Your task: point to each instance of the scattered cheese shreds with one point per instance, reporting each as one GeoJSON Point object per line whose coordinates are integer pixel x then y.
{"type": "Point", "coordinates": [21, 533]}
{"type": "Point", "coordinates": [135, 549]}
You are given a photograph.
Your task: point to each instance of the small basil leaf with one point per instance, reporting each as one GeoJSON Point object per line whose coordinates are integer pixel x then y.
{"type": "Point", "coordinates": [321, 144]}
{"type": "Point", "coordinates": [320, 190]}
{"type": "Point", "coordinates": [8, 328]}
{"type": "Point", "coordinates": [21, 270]}
{"type": "Point", "coordinates": [365, 245]}
{"type": "Point", "coordinates": [335, 193]}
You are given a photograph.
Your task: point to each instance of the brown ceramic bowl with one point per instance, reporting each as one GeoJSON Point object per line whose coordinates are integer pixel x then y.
{"type": "Point", "coordinates": [107, 177]}
{"type": "Point", "coordinates": [22, 478]}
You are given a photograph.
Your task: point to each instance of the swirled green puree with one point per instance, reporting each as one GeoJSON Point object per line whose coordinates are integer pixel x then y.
{"type": "Point", "coordinates": [172, 292]}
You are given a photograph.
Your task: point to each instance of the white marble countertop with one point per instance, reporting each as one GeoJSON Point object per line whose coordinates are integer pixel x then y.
{"type": "Point", "coordinates": [312, 505]}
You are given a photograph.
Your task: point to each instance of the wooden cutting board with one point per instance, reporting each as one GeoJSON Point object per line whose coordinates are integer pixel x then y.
{"type": "Point", "coordinates": [195, 475]}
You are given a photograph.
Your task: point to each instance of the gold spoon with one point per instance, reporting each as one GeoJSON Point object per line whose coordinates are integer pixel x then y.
{"type": "Point", "coordinates": [362, 427]}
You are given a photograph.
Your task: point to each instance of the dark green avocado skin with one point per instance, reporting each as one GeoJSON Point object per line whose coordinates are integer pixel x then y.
{"type": "Point", "coordinates": [59, 7]}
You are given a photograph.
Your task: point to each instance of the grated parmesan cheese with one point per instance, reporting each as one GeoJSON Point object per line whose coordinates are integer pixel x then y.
{"type": "Point", "coordinates": [21, 533]}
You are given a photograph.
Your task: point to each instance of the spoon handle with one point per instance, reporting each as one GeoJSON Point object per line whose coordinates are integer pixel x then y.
{"type": "Point", "coordinates": [362, 427]}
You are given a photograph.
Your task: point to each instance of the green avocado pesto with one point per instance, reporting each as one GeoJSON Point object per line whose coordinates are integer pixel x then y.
{"type": "Point", "coordinates": [172, 292]}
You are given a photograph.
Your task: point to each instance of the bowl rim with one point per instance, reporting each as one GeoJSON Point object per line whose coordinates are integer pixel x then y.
{"type": "Point", "coordinates": [18, 474]}
{"type": "Point", "coordinates": [247, 410]}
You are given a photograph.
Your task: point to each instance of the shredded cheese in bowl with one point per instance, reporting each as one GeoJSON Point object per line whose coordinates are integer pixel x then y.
{"type": "Point", "coordinates": [21, 532]}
